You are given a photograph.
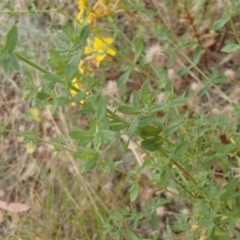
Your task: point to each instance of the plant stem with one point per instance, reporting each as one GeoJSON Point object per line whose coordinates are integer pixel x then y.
{"type": "Point", "coordinates": [39, 140]}
{"type": "Point", "coordinates": [30, 63]}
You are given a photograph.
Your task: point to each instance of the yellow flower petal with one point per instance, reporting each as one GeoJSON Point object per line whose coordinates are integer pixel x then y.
{"type": "Point", "coordinates": [111, 52]}
{"type": "Point", "coordinates": [100, 48]}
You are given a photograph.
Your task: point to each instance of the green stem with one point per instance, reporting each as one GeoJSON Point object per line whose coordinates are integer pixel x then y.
{"type": "Point", "coordinates": [38, 139]}
{"type": "Point", "coordinates": [186, 174]}
{"type": "Point", "coordinates": [234, 30]}
{"type": "Point", "coordinates": [30, 63]}
{"type": "Point", "coordinates": [221, 93]}
{"type": "Point", "coordinates": [40, 11]}
{"type": "Point", "coordinates": [27, 11]}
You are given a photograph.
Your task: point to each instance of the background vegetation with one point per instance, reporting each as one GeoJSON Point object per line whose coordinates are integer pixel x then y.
{"type": "Point", "coordinates": [119, 119]}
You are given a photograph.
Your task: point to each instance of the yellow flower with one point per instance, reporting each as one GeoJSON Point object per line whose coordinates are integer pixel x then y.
{"type": "Point", "coordinates": [99, 48]}
{"type": "Point", "coordinates": [91, 14]}
{"type": "Point", "coordinates": [76, 84]}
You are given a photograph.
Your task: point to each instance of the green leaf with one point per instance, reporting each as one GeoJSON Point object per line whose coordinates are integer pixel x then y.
{"type": "Point", "coordinates": [14, 62]}
{"type": "Point", "coordinates": [101, 109]}
{"type": "Point", "coordinates": [230, 48]}
{"type": "Point", "coordinates": [78, 134]}
{"type": "Point", "coordinates": [11, 39]}
{"type": "Point", "coordinates": [104, 136]}
{"type": "Point", "coordinates": [147, 120]}
{"type": "Point", "coordinates": [146, 164]}
{"type": "Point", "coordinates": [117, 126]}
{"type": "Point", "coordinates": [151, 144]}
{"type": "Point", "coordinates": [131, 235]}
{"type": "Point", "coordinates": [183, 71]}
{"type": "Point", "coordinates": [189, 44]}
{"type": "Point", "coordinates": [6, 65]}
{"type": "Point", "coordinates": [87, 154]}
{"type": "Point", "coordinates": [85, 110]}
{"type": "Point", "coordinates": [136, 100]}
{"type": "Point", "coordinates": [133, 126]}
{"type": "Point", "coordinates": [85, 32]}
{"type": "Point", "coordinates": [128, 109]}
{"type": "Point", "coordinates": [79, 96]}
{"type": "Point", "coordinates": [53, 78]}
{"type": "Point", "coordinates": [89, 158]}
{"type": "Point", "coordinates": [197, 54]}
{"type": "Point", "coordinates": [59, 101]}
{"type": "Point", "coordinates": [150, 131]}
{"type": "Point", "coordinates": [157, 106]}
{"type": "Point", "coordinates": [134, 192]}
{"type": "Point", "coordinates": [181, 149]}
{"type": "Point", "coordinates": [154, 221]}
{"type": "Point", "coordinates": [174, 126]}
{"type": "Point", "coordinates": [169, 231]}
{"type": "Point", "coordinates": [202, 92]}
{"type": "Point", "coordinates": [220, 23]}
{"type": "Point", "coordinates": [43, 95]}
{"type": "Point", "coordinates": [144, 92]}
{"type": "Point", "coordinates": [219, 79]}
{"type": "Point", "coordinates": [124, 78]}
{"type": "Point", "coordinates": [138, 49]}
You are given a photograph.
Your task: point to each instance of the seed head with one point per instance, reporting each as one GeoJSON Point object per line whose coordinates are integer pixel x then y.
{"type": "Point", "coordinates": [153, 52]}
{"type": "Point", "coordinates": [111, 89]}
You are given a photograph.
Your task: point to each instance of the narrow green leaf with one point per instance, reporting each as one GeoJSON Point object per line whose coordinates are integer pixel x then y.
{"type": "Point", "coordinates": [133, 126]}
{"type": "Point", "coordinates": [81, 134]}
{"type": "Point", "coordinates": [85, 110]}
{"type": "Point", "coordinates": [147, 120]}
{"type": "Point", "coordinates": [43, 95]}
{"type": "Point", "coordinates": [6, 65]}
{"type": "Point", "coordinates": [169, 231]}
{"type": "Point", "coordinates": [134, 192]}
{"type": "Point", "coordinates": [181, 149]}
{"type": "Point", "coordinates": [202, 92]}
{"type": "Point", "coordinates": [85, 32]}
{"type": "Point", "coordinates": [154, 221]}
{"type": "Point", "coordinates": [86, 154]}
{"type": "Point", "coordinates": [131, 235]}
{"type": "Point", "coordinates": [146, 164]}
{"type": "Point", "coordinates": [183, 71]}
{"type": "Point", "coordinates": [53, 78]}
{"type": "Point", "coordinates": [128, 109]}
{"type": "Point", "coordinates": [144, 92]}
{"type": "Point", "coordinates": [104, 136]}
{"type": "Point", "coordinates": [230, 48]}
{"type": "Point", "coordinates": [123, 79]}
{"type": "Point", "coordinates": [138, 49]}
{"type": "Point", "coordinates": [158, 106]}
{"type": "Point", "coordinates": [190, 43]}
{"type": "Point", "coordinates": [151, 144]}
{"type": "Point", "coordinates": [136, 99]}
{"type": "Point", "coordinates": [197, 54]}
{"type": "Point", "coordinates": [150, 131]}
{"type": "Point", "coordinates": [14, 62]}
{"type": "Point", "coordinates": [219, 79]}
{"type": "Point", "coordinates": [79, 96]}
{"type": "Point", "coordinates": [89, 158]}
{"type": "Point", "coordinates": [174, 126]}
{"type": "Point", "coordinates": [101, 109]}
{"type": "Point", "coordinates": [77, 57]}
{"type": "Point", "coordinates": [221, 22]}
{"type": "Point", "coordinates": [11, 39]}
{"type": "Point", "coordinates": [117, 126]}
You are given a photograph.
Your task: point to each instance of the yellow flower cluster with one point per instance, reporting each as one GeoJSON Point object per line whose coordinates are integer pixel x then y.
{"type": "Point", "coordinates": [97, 47]}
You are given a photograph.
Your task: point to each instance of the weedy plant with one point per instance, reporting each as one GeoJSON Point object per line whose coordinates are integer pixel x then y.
{"type": "Point", "coordinates": [184, 149]}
